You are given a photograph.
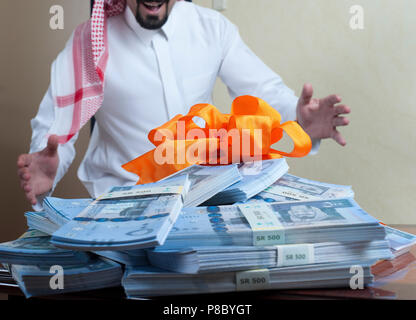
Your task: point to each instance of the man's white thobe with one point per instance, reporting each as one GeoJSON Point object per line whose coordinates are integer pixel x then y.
{"type": "Point", "coordinates": [153, 75]}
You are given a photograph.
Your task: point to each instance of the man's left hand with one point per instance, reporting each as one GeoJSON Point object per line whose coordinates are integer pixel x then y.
{"type": "Point", "coordinates": [321, 117]}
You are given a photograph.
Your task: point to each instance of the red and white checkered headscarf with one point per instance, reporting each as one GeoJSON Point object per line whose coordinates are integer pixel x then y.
{"type": "Point", "coordinates": [77, 77]}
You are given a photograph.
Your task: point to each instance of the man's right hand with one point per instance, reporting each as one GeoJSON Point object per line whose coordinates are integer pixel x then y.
{"type": "Point", "coordinates": [37, 171]}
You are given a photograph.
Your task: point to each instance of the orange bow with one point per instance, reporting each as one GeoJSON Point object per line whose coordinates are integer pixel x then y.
{"type": "Point", "coordinates": [244, 135]}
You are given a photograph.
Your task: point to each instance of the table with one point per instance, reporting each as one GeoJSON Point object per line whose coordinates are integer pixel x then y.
{"type": "Point", "coordinates": [394, 279]}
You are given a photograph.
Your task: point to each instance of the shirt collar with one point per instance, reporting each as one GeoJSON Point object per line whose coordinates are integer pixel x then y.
{"type": "Point", "coordinates": [147, 35]}
{"type": "Point", "coordinates": [169, 27]}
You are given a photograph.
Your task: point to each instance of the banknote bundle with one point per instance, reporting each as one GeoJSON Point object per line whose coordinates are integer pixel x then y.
{"type": "Point", "coordinates": [38, 280]}
{"type": "Point", "coordinates": [126, 217]}
{"type": "Point", "coordinates": [39, 220]}
{"type": "Point", "coordinates": [280, 232]}
{"type": "Point", "coordinates": [34, 247]}
{"type": "Point", "coordinates": [334, 220]}
{"type": "Point", "coordinates": [231, 258]}
{"type": "Point", "coordinates": [293, 188]}
{"type": "Point", "coordinates": [135, 257]}
{"type": "Point", "coordinates": [148, 282]}
{"type": "Point", "coordinates": [400, 242]}
{"type": "Point", "coordinates": [256, 176]}
{"type": "Point", "coordinates": [62, 211]}
{"type": "Point", "coordinates": [206, 181]}
{"type": "Point", "coordinates": [5, 276]}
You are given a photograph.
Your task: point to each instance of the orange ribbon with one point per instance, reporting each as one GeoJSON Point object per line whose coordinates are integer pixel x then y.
{"type": "Point", "coordinates": [245, 134]}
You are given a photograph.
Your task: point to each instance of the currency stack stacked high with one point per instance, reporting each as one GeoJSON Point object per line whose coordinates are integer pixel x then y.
{"type": "Point", "coordinates": [5, 276]}
{"type": "Point", "coordinates": [34, 247]}
{"type": "Point", "coordinates": [207, 181]}
{"type": "Point", "coordinates": [260, 246]}
{"type": "Point", "coordinates": [292, 188]}
{"type": "Point", "coordinates": [62, 211]}
{"type": "Point", "coordinates": [32, 260]}
{"type": "Point", "coordinates": [400, 242]}
{"type": "Point", "coordinates": [149, 282]}
{"type": "Point", "coordinates": [98, 273]}
{"type": "Point", "coordinates": [232, 258]}
{"type": "Point", "coordinates": [126, 217]}
{"type": "Point", "coordinates": [256, 177]}
{"type": "Point", "coordinates": [279, 232]}
{"type": "Point", "coordinates": [336, 220]}
{"type": "Point", "coordinates": [39, 220]}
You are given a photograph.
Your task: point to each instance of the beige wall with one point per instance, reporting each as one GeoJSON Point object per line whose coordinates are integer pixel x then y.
{"type": "Point", "coordinates": [28, 46]}
{"type": "Point", "coordinates": [303, 40]}
{"type": "Point", "coordinates": [374, 70]}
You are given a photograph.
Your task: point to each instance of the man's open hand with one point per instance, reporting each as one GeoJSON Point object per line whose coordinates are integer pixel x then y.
{"type": "Point", "coordinates": [37, 171]}
{"type": "Point", "coordinates": [321, 117]}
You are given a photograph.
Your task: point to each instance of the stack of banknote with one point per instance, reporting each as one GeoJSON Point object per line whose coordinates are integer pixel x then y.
{"type": "Point", "coordinates": [400, 242]}
{"type": "Point", "coordinates": [335, 220]}
{"type": "Point", "coordinates": [256, 176]}
{"type": "Point", "coordinates": [34, 247]}
{"type": "Point", "coordinates": [281, 231]}
{"type": "Point", "coordinates": [42, 280]}
{"type": "Point", "coordinates": [230, 258]}
{"type": "Point", "coordinates": [126, 217]}
{"type": "Point", "coordinates": [292, 188]}
{"type": "Point", "coordinates": [60, 211]}
{"type": "Point", "coordinates": [64, 208]}
{"type": "Point", "coordinates": [206, 181]}
{"type": "Point", "coordinates": [39, 220]}
{"type": "Point", "coordinates": [148, 282]}
{"type": "Point", "coordinates": [5, 276]}
{"type": "Point", "coordinates": [33, 261]}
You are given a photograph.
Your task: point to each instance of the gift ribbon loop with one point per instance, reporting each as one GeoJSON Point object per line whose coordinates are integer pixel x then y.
{"type": "Point", "coordinates": [246, 133]}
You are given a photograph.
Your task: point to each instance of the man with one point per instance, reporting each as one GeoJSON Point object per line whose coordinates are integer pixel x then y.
{"type": "Point", "coordinates": [164, 57]}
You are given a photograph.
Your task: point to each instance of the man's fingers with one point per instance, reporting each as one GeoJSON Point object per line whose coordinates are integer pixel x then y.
{"type": "Point", "coordinates": [52, 146]}
{"type": "Point", "coordinates": [331, 100]}
{"type": "Point", "coordinates": [23, 160]}
{"type": "Point", "coordinates": [23, 173]}
{"type": "Point", "coordinates": [338, 138]}
{"type": "Point", "coordinates": [27, 188]}
{"type": "Point", "coordinates": [24, 176]}
{"type": "Point", "coordinates": [340, 121]}
{"type": "Point", "coordinates": [26, 184]}
{"type": "Point", "coordinates": [29, 192]}
{"type": "Point", "coordinates": [30, 196]}
{"type": "Point", "coordinates": [307, 93]}
{"type": "Point", "coordinates": [342, 109]}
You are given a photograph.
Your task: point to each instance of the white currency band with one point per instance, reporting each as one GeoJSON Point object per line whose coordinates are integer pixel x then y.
{"type": "Point", "coordinates": [289, 192]}
{"type": "Point", "coordinates": [142, 192]}
{"type": "Point", "coordinates": [295, 254]}
{"type": "Point", "coordinates": [266, 227]}
{"type": "Point", "coordinates": [252, 280]}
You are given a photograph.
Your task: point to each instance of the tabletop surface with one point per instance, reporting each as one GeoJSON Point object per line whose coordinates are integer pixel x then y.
{"type": "Point", "coordinates": [395, 279]}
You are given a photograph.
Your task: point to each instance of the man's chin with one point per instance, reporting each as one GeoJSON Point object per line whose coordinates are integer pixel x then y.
{"type": "Point", "coordinates": [151, 23]}
{"type": "Point", "coordinates": [152, 18]}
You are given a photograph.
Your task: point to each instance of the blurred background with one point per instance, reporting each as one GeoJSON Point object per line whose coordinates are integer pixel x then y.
{"type": "Point", "coordinates": [373, 69]}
